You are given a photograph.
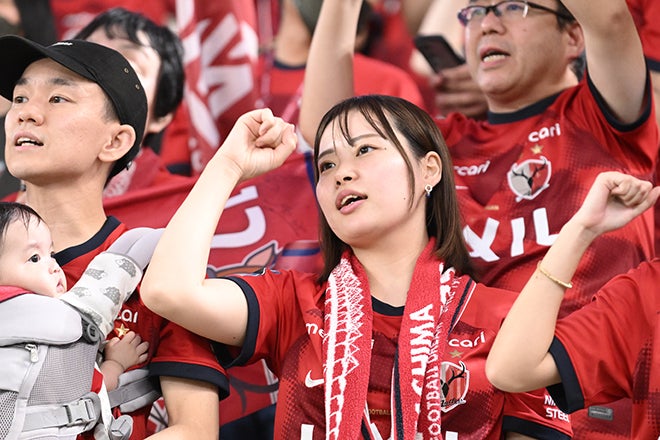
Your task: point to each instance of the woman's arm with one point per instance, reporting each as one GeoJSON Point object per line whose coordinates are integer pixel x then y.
{"type": "Point", "coordinates": [175, 284]}
{"type": "Point", "coordinates": [519, 359]}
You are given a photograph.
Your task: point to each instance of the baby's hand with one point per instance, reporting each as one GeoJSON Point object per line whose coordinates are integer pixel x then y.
{"type": "Point", "coordinates": [127, 351]}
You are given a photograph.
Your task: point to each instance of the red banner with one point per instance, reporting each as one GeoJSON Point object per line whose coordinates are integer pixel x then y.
{"type": "Point", "coordinates": [270, 221]}
{"type": "Point", "coordinates": [221, 46]}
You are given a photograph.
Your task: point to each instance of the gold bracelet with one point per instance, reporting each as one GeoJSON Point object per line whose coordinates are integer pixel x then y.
{"type": "Point", "coordinates": [557, 281]}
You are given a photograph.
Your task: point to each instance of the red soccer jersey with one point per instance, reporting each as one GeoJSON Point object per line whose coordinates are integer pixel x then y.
{"type": "Point", "coordinates": [520, 176]}
{"type": "Point", "coordinates": [646, 14]}
{"type": "Point", "coordinates": [473, 409]}
{"type": "Point", "coordinates": [611, 349]}
{"type": "Point", "coordinates": [173, 351]}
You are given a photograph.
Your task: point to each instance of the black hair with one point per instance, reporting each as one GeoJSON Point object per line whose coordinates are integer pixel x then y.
{"type": "Point", "coordinates": [389, 115]}
{"type": "Point", "coordinates": [37, 21]}
{"type": "Point", "coordinates": [13, 211]}
{"type": "Point", "coordinates": [122, 23]}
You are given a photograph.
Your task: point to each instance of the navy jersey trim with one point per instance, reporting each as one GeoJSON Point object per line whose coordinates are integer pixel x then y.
{"type": "Point", "coordinates": [567, 394]}
{"type": "Point", "coordinates": [653, 64]}
{"type": "Point", "coordinates": [531, 110]}
{"type": "Point", "coordinates": [611, 119]}
{"type": "Point", "coordinates": [225, 354]}
{"type": "Point", "coordinates": [282, 66]}
{"type": "Point", "coordinates": [382, 308]}
{"type": "Point", "coordinates": [199, 373]}
{"type": "Point", "coordinates": [67, 255]}
{"type": "Point", "coordinates": [531, 429]}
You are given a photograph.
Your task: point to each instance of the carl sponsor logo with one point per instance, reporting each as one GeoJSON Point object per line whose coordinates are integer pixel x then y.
{"type": "Point", "coordinates": [472, 170]}
{"type": "Point", "coordinates": [128, 315]}
{"type": "Point", "coordinates": [468, 343]}
{"type": "Point", "coordinates": [545, 132]}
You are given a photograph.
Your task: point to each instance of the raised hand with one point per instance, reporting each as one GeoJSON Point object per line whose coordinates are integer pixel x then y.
{"type": "Point", "coordinates": [614, 200]}
{"type": "Point", "coordinates": [258, 142]}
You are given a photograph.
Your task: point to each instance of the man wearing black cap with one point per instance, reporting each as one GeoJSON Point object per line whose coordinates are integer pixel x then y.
{"type": "Point", "coordinates": [77, 118]}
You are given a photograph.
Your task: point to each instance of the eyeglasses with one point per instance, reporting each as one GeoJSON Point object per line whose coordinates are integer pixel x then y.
{"type": "Point", "coordinates": [508, 9]}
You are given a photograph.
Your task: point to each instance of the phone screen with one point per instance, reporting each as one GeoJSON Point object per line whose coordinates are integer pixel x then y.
{"type": "Point", "coordinates": [438, 52]}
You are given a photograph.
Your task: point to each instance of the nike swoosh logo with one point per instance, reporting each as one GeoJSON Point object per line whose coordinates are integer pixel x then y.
{"type": "Point", "coordinates": [311, 383]}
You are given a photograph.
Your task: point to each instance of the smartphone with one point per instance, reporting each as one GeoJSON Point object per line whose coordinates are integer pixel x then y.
{"type": "Point", "coordinates": [438, 52]}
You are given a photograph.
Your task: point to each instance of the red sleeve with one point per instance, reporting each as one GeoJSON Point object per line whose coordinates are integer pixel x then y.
{"type": "Point", "coordinates": [534, 413]}
{"type": "Point", "coordinates": [646, 14]}
{"type": "Point", "coordinates": [270, 334]}
{"type": "Point", "coordinates": [184, 354]}
{"type": "Point", "coordinates": [603, 330]}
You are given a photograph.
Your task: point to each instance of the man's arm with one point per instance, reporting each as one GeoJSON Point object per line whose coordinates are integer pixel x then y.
{"type": "Point", "coordinates": [615, 60]}
{"type": "Point", "coordinates": [192, 409]}
{"type": "Point", "coordinates": [329, 71]}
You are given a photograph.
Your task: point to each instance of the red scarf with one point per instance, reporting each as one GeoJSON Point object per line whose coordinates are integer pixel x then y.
{"type": "Point", "coordinates": [434, 303]}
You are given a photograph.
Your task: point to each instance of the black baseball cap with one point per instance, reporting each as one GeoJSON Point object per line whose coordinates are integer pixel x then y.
{"type": "Point", "coordinates": [100, 64]}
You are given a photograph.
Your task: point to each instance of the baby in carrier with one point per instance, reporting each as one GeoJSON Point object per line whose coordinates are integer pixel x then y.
{"type": "Point", "coordinates": [49, 342]}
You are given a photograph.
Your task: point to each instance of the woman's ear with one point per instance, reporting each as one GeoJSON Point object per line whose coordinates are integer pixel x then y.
{"type": "Point", "coordinates": [432, 168]}
{"type": "Point", "coordinates": [119, 144]}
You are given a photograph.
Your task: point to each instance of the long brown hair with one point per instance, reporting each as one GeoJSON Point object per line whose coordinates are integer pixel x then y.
{"type": "Point", "coordinates": [387, 114]}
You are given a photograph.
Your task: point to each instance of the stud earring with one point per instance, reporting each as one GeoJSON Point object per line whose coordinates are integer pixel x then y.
{"type": "Point", "coordinates": [428, 188]}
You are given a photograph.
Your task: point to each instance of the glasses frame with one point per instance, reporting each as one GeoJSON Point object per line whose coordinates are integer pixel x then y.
{"type": "Point", "coordinates": [463, 13]}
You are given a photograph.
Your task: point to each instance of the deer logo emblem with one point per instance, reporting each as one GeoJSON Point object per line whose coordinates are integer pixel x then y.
{"type": "Point", "coordinates": [529, 178]}
{"type": "Point", "coordinates": [455, 382]}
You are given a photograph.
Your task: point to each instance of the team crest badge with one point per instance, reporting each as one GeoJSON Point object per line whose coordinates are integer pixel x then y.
{"type": "Point", "coordinates": [455, 380]}
{"type": "Point", "coordinates": [529, 178]}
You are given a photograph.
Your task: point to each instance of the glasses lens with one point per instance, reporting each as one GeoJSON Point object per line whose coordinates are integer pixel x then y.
{"type": "Point", "coordinates": [506, 9]}
{"type": "Point", "coordinates": [471, 14]}
{"type": "Point", "coordinates": [512, 9]}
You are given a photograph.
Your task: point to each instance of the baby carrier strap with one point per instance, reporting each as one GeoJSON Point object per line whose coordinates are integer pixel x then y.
{"type": "Point", "coordinates": [48, 364]}
{"type": "Point", "coordinates": [135, 390]}
{"type": "Point", "coordinates": [84, 411]}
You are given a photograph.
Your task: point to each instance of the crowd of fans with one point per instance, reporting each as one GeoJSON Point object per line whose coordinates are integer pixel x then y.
{"type": "Point", "coordinates": [547, 129]}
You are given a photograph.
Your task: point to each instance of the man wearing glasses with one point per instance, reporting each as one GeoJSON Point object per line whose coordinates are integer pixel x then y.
{"type": "Point", "coordinates": [551, 127]}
